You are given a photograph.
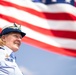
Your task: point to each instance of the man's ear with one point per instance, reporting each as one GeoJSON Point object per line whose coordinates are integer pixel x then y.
{"type": "Point", "coordinates": [3, 37]}
{"type": "Point", "coordinates": [2, 40]}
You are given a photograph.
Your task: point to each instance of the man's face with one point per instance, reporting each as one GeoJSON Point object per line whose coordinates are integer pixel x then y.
{"type": "Point", "coordinates": [12, 40]}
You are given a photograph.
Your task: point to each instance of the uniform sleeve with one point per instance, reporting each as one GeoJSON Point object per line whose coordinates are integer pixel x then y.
{"type": "Point", "coordinates": [2, 54]}
{"type": "Point", "coordinates": [5, 69]}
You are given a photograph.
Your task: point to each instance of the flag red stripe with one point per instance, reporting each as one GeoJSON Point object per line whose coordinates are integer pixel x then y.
{"type": "Point", "coordinates": [50, 48]}
{"type": "Point", "coordinates": [55, 33]}
{"type": "Point", "coordinates": [52, 16]}
{"type": "Point", "coordinates": [64, 34]}
{"type": "Point", "coordinates": [0, 29]}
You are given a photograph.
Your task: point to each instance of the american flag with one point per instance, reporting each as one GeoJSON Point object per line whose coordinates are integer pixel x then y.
{"type": "Point", "coordinates": [49, 24]}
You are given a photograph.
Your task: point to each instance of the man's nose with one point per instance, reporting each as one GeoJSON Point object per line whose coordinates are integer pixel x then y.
{"type": "Point", "coordinates": [19, 38]}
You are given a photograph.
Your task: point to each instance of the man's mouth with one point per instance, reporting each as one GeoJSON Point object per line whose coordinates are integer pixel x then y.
{"type": "Point", "coordinates": [17, 43]}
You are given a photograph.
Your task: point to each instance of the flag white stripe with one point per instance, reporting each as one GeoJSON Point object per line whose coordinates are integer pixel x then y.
{"type": "Point", "coordinates": [54, 8]}
{"type": "Point", "coordinates": [37, 21]}
{"type": "Point", "coordinates": [54, 41]}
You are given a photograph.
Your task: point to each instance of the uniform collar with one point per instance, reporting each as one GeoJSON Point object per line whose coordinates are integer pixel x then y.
{"type": "Point", "coordinates": [9, 51]}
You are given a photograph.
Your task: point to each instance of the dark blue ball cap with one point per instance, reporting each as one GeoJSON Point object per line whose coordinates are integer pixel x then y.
{"type": "Point", "coordinates": [14, 28]}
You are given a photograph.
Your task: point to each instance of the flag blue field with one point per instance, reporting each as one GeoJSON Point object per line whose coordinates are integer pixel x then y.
{"type": "Point", "coordinates": [49, 47]}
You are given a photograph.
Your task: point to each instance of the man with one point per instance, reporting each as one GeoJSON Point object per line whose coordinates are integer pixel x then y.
{"type": "Point", "coordinates": [10, 41]}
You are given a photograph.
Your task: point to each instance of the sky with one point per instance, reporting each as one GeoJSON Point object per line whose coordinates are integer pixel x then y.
{"type": "Point", "coordinates": [35, 61]}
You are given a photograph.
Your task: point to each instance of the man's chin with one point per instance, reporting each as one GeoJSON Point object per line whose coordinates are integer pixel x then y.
{"type": "Point", "coordinates": [16, 49]}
